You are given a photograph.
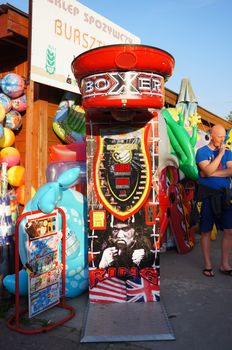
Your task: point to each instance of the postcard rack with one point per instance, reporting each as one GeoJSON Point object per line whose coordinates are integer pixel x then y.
{"type": "Point", "coordinates": [14, 321]}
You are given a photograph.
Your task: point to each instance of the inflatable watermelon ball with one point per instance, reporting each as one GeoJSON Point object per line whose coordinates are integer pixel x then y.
{"type": "Point", "coordinates": [5, 101]}
{"type": "Point", "coordinates": [10, 155]}
{"type": "Point", "coordinates": [13, 85]}
{"type": "Point", "coordinates": [13, 120]}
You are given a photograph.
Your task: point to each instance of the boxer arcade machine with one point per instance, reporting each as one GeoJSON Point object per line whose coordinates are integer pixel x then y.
{"type": "Point", "coordinates": [122, 88]}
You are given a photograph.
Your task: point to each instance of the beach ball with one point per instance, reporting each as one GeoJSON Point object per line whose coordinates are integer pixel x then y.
{"type": "Point", "coordinates": [10, 155]}
{"type": "Point", "coordinates": [20, 194]}
{"type": "Point", "coordinates": [19, 104]}
{"type": "Point", "coordinates": [13, 120]}
{"type": "Point", "coordinates": [16, 175]}
{"type": "Point", "coordinates": [5, 101]}
{"type": "Point", "coordinates": [13, 85]}
{"type": "Point", "coordinates": [8, 138]}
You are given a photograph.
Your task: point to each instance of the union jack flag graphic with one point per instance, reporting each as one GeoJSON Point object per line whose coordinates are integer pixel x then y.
{"type": "Point", "coordinates": [141, 290]}
{"type": "Point", "coordinates": [108, 291]}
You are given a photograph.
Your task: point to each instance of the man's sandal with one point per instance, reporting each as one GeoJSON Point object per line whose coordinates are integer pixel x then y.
{"type": "Point", "coordinates": [208, 272]}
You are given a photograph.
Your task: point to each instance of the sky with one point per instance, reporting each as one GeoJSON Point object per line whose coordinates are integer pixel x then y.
{"type": "Point", "coordinates": [197, 33]}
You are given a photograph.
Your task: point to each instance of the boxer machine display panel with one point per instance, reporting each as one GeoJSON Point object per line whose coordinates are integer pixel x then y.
{"type": "Point", "coordinates": [123, 206]}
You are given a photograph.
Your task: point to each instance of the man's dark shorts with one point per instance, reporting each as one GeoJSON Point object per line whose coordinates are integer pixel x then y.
{"type": "Point", "coordinates": [208, 218]}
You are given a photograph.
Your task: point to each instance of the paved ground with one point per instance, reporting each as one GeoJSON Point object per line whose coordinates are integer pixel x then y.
{"type": "Point", "coordinates": [199, 311]}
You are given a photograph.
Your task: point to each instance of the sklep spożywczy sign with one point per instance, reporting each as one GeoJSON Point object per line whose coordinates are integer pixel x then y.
{"type": "Point", "coordinates": [61, 30]}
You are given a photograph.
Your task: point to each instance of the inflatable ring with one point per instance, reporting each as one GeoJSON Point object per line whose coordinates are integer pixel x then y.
{"type": "Point", "coordinates": [69, 120]}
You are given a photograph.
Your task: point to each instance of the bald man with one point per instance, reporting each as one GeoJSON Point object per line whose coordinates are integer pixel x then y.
{"type": "Point", "coordinates": [214, 163]}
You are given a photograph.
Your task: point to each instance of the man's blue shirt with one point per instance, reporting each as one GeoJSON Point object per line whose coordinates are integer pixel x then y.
{"type": "Point", "coordinates": [205, 153]}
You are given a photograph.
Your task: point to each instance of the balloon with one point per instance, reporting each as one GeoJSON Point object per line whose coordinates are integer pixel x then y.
{"type": "Point", "coordinates": [56, 168]}
{"type": "Point", "coordinates": [70, 152]}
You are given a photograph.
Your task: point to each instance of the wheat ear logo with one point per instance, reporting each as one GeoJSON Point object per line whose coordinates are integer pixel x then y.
{"type": "Point", "coordinates": [50, 60]}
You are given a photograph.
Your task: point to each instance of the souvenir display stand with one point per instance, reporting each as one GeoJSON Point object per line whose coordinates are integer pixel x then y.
{"type": "Point", "coordinates": [15, 323]}
{"type": "Point", "coordinates": [122, 89]}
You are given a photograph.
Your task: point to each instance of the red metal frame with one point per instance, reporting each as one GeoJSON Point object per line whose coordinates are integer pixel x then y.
{"type": "Point", "coordinates": [13, 323]}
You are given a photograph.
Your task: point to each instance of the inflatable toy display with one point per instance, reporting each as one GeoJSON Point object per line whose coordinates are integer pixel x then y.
{"type": "Point", "coordinates": [182, 144]}
{"type": "Point", "coordinates": [176, 203]}
{"type": "Point", "coordinates": [48, 197]}
{"type": "Point", "coordinates": [55, 169]}
{"type": "Point", "coordinates": [70, 152]}
{"type": "Point", "coordinates": [10, 155]}
{"type": "Point", "coordinates": [202, 139]}
{"type": "Point", "coordinates": [8, 138]}
{"type": "Point", "coordinates": [13, 85]}
{"type": "Point", "coordinates": [165, 156]}
{"type": "Point", "coordinates": [69, 121]}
